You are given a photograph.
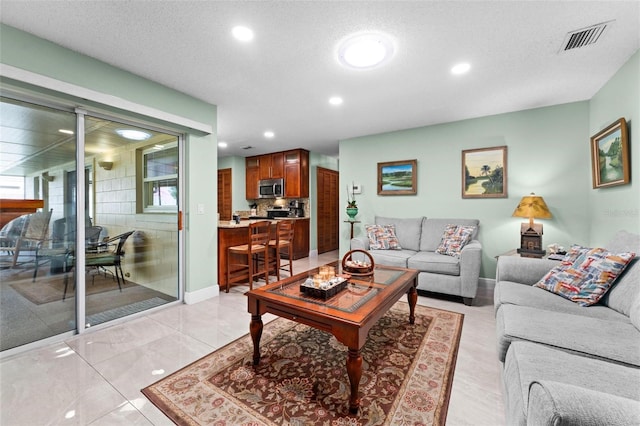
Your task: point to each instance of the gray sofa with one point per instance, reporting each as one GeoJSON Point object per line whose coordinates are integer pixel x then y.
{"type": "Point", "coordinates": [419, 238]}
{"type": "Point", "coordinates": [565, 364]}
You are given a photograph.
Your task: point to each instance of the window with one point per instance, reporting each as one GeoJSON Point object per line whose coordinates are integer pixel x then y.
{"type": "Point", "coordinates": [160, 178]}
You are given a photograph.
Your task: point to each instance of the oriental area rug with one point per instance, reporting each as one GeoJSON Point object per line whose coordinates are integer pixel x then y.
{"type": "Point", "coordinates": [407, 373]}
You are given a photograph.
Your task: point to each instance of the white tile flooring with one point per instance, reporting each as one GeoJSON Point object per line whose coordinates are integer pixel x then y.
{"type": "Point", "coordinates": [95, 378]}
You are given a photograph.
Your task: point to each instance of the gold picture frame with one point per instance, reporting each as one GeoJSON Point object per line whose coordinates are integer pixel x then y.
{"type": "Point", "coordinates": [610, 156]}
{"type": "Point", "coordinates": [398, 177]}
{"type": "Point", "coordinates": [484, 172]}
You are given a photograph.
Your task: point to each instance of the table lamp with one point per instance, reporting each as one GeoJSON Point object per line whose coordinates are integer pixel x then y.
{"type": "Point", "coordinates": [533, 207]}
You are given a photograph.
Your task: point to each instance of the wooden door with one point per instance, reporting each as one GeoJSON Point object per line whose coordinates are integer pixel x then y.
{"type": "Point", "coordinates": [224, 194]}
{"type": "Point", "coordinates": [328, 211]}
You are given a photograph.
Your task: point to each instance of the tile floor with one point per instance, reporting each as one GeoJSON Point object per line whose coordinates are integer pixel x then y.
{"type": "Point", "coordinates": [95, 378]}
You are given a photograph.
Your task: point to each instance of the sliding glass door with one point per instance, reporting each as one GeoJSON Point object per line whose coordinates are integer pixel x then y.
{"type": "Point", "coordinates": [37, 242]}
{"type": "Point", "coordinates": [132, 252]}
{"type": "Point", "coordinates": [65, 268]}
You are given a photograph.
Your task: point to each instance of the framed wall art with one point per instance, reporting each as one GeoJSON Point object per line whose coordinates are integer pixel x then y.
{"type": "Point", "coordinates": [610, 156]}
{"type": "Point", "coordinates": [398, 178]}
{"type": "Point", "coordinates": [484, 172]}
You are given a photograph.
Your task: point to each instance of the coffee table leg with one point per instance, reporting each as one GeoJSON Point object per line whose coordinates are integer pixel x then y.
{"type": "Point", "coordinates": [255, 329]}
{"type": "Point", "coordinates": [354, 370]}
{"type": "Point", "coordinates": [412, 297]}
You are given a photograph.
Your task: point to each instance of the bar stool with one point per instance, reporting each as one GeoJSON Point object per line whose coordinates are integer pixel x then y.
{"type": "Point", "coordinates": [258, 242]}
{"type": "Point", "coordinates": [283, 242]}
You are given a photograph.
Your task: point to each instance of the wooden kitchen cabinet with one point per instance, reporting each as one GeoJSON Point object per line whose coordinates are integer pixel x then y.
{"type": "Point", "coordinates": [296, 173]}
{"type": "Point", "coordinates": [291, 165]}
{"type": "Point", "coordinates": [301, 238]}
{"type": "Point", "coordinates": [271, 166]}
{"type": "Point", "coordinates": [252, 176]}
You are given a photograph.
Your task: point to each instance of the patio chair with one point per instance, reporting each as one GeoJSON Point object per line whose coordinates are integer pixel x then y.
{"type": "Point", "coordinates": [34, 232]}
{"type": "Point", "coordinates": [105, 257]}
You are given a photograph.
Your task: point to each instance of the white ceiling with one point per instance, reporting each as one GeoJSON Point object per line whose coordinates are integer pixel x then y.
{"type": "Point", "coordinates": [282, 80]}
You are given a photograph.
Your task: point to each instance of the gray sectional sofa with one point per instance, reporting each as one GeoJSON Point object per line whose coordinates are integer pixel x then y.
{"type": "Point", "coordinates": [419, 238]}
{"type": "Point", "coordinates": [565, 364]}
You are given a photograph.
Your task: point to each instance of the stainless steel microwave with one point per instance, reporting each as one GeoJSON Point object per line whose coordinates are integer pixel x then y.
{"type": "Point", "coordinates": [271, 188]}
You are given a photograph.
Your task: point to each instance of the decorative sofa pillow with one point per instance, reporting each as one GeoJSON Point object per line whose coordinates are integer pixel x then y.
{"type": "Point", "coordinates": [382, 237]}
{"type": "Point", "coordinates": [585, 274]}
{"type": "Point", "coordinates": [454, 238]}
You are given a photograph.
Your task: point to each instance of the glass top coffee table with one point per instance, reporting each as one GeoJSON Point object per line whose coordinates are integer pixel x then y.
{"type": "Point", "coordinates": [349, 315]}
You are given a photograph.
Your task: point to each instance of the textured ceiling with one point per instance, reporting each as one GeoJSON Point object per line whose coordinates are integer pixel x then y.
{"type": "Point", "coordinates": [282, 80]}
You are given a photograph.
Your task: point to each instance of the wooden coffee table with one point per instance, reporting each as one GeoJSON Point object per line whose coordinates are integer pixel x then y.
{"type": "Point", "coordinates": [349, 315]}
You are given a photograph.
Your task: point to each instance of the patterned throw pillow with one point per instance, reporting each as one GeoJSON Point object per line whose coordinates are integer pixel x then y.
{"type": "Point", "coordinates": [454, 238]}
{"type": "Point", "coordinates": [585, 274]}
{"type": "Point", "coordinates": [382, 237]}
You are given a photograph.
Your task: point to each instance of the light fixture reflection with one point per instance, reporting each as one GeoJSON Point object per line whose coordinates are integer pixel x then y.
{"type": "Point", "coordinates": [134, 135]}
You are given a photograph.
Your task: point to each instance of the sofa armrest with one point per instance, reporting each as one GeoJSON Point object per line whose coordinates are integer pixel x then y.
{"type": "Point", "coordinates": [555, 403]}
{"type": "Point", "coordinates": [470, 263]}
{"type": "Point", "coordinates": [524, 270]}
{"type": "Point", "coordinates": [361, 243]}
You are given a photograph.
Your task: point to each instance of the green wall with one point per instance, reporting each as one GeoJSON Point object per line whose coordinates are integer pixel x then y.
{"type": "Point", "coordinates": [547, 154]}
{"type": "Point", "coordinates": [617, 207]}
{"type": "Point", "coordinates": [30, 53]}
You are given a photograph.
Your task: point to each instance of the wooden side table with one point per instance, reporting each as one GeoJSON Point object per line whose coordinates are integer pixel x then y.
{"type": "Point", "coordinates": [351, 222]}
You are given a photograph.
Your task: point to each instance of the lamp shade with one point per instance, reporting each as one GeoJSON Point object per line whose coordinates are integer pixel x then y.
{"type": "Point", "coordinates": [532, 207]}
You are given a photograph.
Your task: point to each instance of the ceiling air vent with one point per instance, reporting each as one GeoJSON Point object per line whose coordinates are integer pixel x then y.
{"type": "Point", "coordinates": [584, 37]}
{"type": "Point", "coordinates": [247, 147]}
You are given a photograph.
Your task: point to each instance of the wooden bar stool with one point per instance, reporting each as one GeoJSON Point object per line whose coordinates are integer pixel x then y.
{"type": "Point", "coordinates": [282, 243]}
{"type": "Point", "coordinates": [258, 243]}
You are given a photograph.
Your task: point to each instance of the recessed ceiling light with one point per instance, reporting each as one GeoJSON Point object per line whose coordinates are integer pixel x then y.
{"type": "Point", "coordinates": [66, 132]}
{"type": "Point", "coordinates": [335, 100]}
{"type": "Point", "coordinates": [460, 68]}
{"type": "Point", "coordinates": [222, 144]}
{"type": "Point", "coordinates": [134, 135]}
{"type": "Point", "coordinates": [365, 51]}
{"type": "Point", "coordinates": [269, 134]}
{"type": "Point", "coordinates": [242, 33]}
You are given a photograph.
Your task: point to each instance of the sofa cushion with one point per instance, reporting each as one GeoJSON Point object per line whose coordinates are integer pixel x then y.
{"type": "Point", "coordinates": [454, 238]}
{"type": "Point", "coordinates": [613, 340]}
{"type": "Point", "coordinates": [556, 403]}
{"type": "Point", "coordinates": [432, 230]}
{"type": "Point", "coordinates": [528, 362]}
{"type": "Point", "coordinates": [426, 261]}
{"type": "Point", "coordinates": [408, 230]}
{"type": "Point", "coordinates": [512, 293]}
{"type": "Point", "coordinates": [588, 277]}
{"type": "Point", "coordinates": [625, 290]}
{"type": "Point", "coordinates": [392, 257]}
{"type": "Point", "coordinates": [634, 315]}
{"type": "Point", "coordinates": [382, 237]}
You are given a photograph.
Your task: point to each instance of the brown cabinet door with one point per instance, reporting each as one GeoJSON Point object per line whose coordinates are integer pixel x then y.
{"type": "Point", "coordinates": [224, 194]}
{"type": "Point", "coordinates": [327, 210]}
{"type": "Point", "coordinates": [265, 166]}
{"type": "Point", "coordinates": [277, 165]}
{"type": "Point", "coordinates": [301, 238]}
{"type": "Point", "coordinates": [251, 182]}
{"type": "Point", "coordinates": [296, 174]}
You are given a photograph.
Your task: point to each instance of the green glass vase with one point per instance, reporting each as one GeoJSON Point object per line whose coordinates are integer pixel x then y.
{"type": "Point", "coordinates": [352, 212]}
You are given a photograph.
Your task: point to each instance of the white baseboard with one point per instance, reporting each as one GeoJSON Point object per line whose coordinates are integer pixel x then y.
{"type": "Point", "coordinates": [191, 297]}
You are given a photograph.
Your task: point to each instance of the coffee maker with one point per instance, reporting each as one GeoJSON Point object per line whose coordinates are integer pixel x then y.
{"type": "Point", "coordinates": [296, 208]}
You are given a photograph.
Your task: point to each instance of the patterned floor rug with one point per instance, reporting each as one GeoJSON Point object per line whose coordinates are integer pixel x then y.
{"type": "Point", "coordinates": [302, 378]}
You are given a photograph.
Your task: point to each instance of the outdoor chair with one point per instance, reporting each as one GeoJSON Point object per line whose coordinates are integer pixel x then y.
{"type": "Point", "coordinates": [34, 231]}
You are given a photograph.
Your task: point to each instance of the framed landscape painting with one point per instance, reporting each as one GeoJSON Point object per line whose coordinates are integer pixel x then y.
{"type": "Point", "coordinates": [397, 178]}
{"type": "Point", "coordinates": [610, 156]}
{"type": "Point", "coordinates": [484, 172]}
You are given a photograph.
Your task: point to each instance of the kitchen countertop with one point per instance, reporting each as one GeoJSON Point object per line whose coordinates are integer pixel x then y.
{"type": "Point", "coordinates": [245, 223]}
